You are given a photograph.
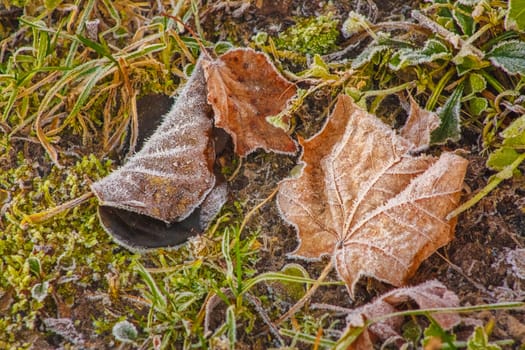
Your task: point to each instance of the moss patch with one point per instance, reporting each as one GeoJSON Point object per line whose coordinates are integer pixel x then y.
{"type": "Point", "coordinates": [48, 263]}
{"type": "Point", "coordinates": [317, 35]}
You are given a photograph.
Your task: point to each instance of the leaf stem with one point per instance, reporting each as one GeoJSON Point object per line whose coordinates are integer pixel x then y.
{"type": "Point", "coordinates": [307, 295]}
{"type": "Point", "coordinates": [389, 91]}
{"type": "Point", "coordinates": [492, 81]}
{"type": "Point", "coordinates": [431, 103]}
{"type": "Point", "coordinates": [452, 310]}
{"type": "Point", "coordinates": [279, 276]}
{"type": "Point", "coordinates": [479, 33]}
{"type": "Point", "coordinates": [307, 338]}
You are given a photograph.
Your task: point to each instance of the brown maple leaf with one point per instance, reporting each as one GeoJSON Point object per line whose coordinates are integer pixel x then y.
{"type": "Point", "coordinates": [173, 173]}
{"type": "Point", "coordinates": [365, 200]}
{"type": "Point", "coordinates": [419, 126]}
{"type": "Point", "coordinates": [244, 88]}
{"type": "Point", "coordinates": [428, 295]}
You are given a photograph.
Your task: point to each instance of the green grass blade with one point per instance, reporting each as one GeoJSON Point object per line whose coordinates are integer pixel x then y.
{"type": "Point", "coordinates": [504, 174]}
{"type": "Point", "coordinates": [145, 51]}
{"type": "Point", "coordinates": [232, 326]}
{"type": "Point", "coordinates": [158, 299]}
{"type": "Point", "coordinates": [307, 338]}
{"type": "Point", "coordinates": [10, 103]}
{"type": "Point", "coordinates": [279, 276]}
{"type": "Point", "coordinates": [97, 75]}
{"type": "Point", "coordinates": [42, 48]}
{"type": "Point", "coordinates": [98, 48]}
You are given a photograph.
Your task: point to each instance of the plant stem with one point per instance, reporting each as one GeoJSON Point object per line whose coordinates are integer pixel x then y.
{"type": "Point", "coordinates": [49, 213]}
{"type": "Point", "coordinates": [307, 295]}
{"type": "Point", "coordinates": [431, 103]}
{"type": "Point", "coordinates": [351, 334]}
{"type": "Point", "coordinates": [257, 207]}
{"type": "Point", "coordinates": [389, 91]}
{"type": "Point", "coordinates": [451, 310]}
{"type": "Point", "coordinates": [492, 81]}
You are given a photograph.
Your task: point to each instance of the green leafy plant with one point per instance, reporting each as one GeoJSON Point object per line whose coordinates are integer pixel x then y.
{"type": "Point", "coordinates": [515, 18]}
{"type": "Point", "coordinates": [467, 54]}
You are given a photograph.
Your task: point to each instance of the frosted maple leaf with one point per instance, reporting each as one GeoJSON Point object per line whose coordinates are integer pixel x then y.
{"type": "Point", "coordinates": [364, 199]}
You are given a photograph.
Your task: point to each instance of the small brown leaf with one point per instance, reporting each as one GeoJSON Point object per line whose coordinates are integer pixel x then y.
{"type": "Point", "coordinates": [173, 173]}
{"type": "Point", "coordinates": [363, 199]}
{"type": "Point", "coordinates": [244, 88]}
{"type": "Point", "coordinates": [431, 294]}
{"type": "Point", "coordinates": [419, 126]}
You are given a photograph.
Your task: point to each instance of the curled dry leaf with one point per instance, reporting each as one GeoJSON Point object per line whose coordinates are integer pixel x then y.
{"type": "Point", "coordinates": [365, 200]}
{"type": "Point", "coordinates": [167, 180]}
{"type": "Point", "coordinates": [175, 165]}
{"type": "Point", "coordinates": [419, 126]}
{"type": "Point", "coordinates": [141, 232]}
{"type": "Point", "coordinates": [244, 88]}
{"type": "Point", "coordinates": [167, 191]}
{"type": "Point", "coordinates": [428, 295]}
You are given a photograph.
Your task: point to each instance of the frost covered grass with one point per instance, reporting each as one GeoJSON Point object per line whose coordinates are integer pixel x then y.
{"type": "Point", "coordinates": [70, 77]}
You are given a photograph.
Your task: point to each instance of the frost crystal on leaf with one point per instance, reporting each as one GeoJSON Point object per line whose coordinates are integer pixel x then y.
{"type": "Point", "coordinates": [40, 291]}
{"type": "Point", "coordinates": [65, 328]}
{"type": "Point", "coordinates": [365, 200]}
{"type": "Point", "coordinates": [432, 51]}
{"type": "Point", "coordinates": [125, 331]}
{"type": "Point", "coordinates": [449, 113]}
{"type": "Point", "coordinates": [509, 56]}
{"type": "Point", "coordinates": [368, 54]}
{"type": "Point", "coordinates": [167, 191]}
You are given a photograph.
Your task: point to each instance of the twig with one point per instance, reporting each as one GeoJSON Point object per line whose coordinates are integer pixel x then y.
{"type": "Point", "coordinates": [266, 319]}
{"type": "Point", "coordinates": [307, 295]}
{"type": "Point", "coordinates": [49, 213]}
{"type": "Point", "coordinates": [257, 207]}
{"type": "Point", "coordinates": [460, 271]}
{"type": "Point", "coordinates": [236, 171]}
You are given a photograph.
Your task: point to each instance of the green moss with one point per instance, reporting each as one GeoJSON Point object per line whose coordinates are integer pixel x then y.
{"type": "Point", "coordinates": [68, 252]}
{"type": "Point", "coordinates": [317, 35]}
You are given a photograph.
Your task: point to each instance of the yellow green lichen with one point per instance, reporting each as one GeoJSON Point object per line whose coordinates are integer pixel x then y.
{"type": "Point", "coordinates": [316, 35]}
